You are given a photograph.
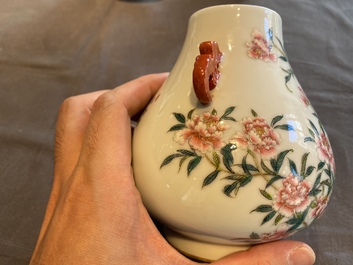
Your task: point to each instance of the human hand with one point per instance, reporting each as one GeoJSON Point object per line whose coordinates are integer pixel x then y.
{"type": "Point", "coordinates": [95, 214]}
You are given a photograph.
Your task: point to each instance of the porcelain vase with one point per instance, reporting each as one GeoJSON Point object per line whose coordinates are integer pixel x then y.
{"type": "Point", "coordinates": [230, 152]}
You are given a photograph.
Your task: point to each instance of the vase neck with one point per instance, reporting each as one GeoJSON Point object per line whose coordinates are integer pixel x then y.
{"type": "Point", "coordinates": [232, 25]}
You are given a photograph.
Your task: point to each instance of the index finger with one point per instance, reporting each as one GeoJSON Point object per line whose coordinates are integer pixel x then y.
{"type": "Point", "coordinates": [71, 125]}
{"type": "Point", "coordinates": [107, 142]}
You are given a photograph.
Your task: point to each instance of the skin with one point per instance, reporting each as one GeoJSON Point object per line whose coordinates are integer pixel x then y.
{"type": "Point", "coordinates": [95, 214]}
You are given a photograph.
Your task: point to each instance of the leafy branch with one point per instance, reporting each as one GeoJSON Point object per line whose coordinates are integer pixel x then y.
{"type": "Point", "coordinates": [184, 155]}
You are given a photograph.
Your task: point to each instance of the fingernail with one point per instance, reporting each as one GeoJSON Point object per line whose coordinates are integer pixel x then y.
{"type": "Point", "coordinates": [301, 256]}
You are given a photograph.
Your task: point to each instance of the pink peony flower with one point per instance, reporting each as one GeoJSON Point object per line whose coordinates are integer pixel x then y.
{"type": "Point", "coordinates": [259, 136]}
{"type": "Point", "coordinates": [304, 99]}
{"type": "Point", "coordinates": [276, 235]}
{"type": "Point", "coordinates": [324, 150]}
{"type": "Point", "coordinates": [203, 132]}
{"type": "Point", "coordinates": [293, 196]}
{"type": "Point", "coordinates": [259, 48]}
{"type": "Point", "coordinates": [320, 207]}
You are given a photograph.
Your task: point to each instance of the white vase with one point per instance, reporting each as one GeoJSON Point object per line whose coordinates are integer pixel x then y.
{"type": "Point", "coordinates": [253, 163]}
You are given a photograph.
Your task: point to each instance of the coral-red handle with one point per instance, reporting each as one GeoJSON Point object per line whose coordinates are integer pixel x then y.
{"type": "Point", "coordinates": [206, 73]}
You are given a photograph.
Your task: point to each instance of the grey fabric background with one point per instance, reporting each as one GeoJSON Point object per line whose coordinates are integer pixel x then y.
{"type": "Point", "coordinates": [53, 49]}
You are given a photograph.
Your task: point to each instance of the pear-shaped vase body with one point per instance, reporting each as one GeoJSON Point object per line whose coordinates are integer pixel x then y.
{"type": "Point", "coordinates": [252, 164]}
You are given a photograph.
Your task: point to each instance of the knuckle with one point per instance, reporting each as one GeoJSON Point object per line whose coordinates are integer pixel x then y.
{"type": "Point", "coordinates": [69, 105]}
{"type": "Point", "coordinates": [68, 111]}
{"type": "Point", "coordinates": [104, 101]}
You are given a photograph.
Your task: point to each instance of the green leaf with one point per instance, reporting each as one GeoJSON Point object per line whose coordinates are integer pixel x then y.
{"type": "Point", "coordinates": [228, 164]}
{"type": "Point", "coordinates": [216, 159]}
{"type": "Point", "coordinates": [328, 184]}
{"type": "Point", "coordinates": [304, 214]}
{"type": "Point", "coordinates": [317, 181]}
{"type": "Point", "coordinates": [280, 43]}
{"type": "Point", "coordinates": [276, 119]}
{"type": "Point", "coordinates": [227, 112]}
{"type": "Point", "coordinates": [181, 162]}
{"type": "Point", "coordinates": [244, 167]}
{"type": "Point", "coordinates": [227, 149]}
{"type": "Point", "coordinates": [273, 180]}
{"type": "Point", "coordinates": [263, 209]}
{"type": "Point", "coordinates": [320, 124]}
{"type": "Point", "coordinates": [295, 226]}
{"type": "Point", "coordinates": [309, 170]}
{"type": "Point", "coordinates": [268, 217]}
{"type": "Point", "coordinates": [254, 236]}
{"type": "Point", "coordinates": [280, 158]}
{"type": "Point", "coordinates": [284, 59]}
{"type": "Point", "coordinates": [293, 167]}
{"type": "Point", "coordinates": [246, 181]}
{"type": "Point", "coordinates": [254, 113]}
{"type": "Point", "coordinates": [228, 159]}
{"type": "Point", "coordinates": [328, 172]}
{"type": "Point", "coordinates": [180, 117]}
{"type": "Point", "coordinates": [288, 71]}
{"type": "Point", "coordinates": [313, 204]}
{"type": "Point", "coordinates": [228, 189]}
{"type": "Point", "coordinates": [229, 119]}
{"type": "Point", "coordinates": [177, 127]}
{"type": "Point", "coordinates": [238, 178]}
{"type": "Point", "coordinates": [293, 220]}
{"type": "Point", "coordinates": [303, 165]}
{"type": "Point", "coordinates": [285, 127]}
{"type": "Point", "coordinates": [248, 167]}
{"type": "Point", "coordinates": [186, 152]}
{"type": "Point", "coordinates": [297, 221]}
{"type": "Point", "coordinates": [288, 77]}
{"type": "Point", "coordinates": [312, 134]}
{"type": "Point", "coordinates": [309, 139]}
{"type": "Point", "coordinates": [314, 128]}
{"type": "Point", "coordinates": [169, 159]}
{"type": "Point", "coordinates": [273, 164]}
{"type": "Point", "coordinates": [266, 169]}
{"type": "Point", "coordinates": [193, 163]}
{"type": "Point", "coordinates": [266, 194]}
{"type": "Point", "coordinates": [278, 219]}
{"type": "Point", "coordinates": [314, 192]}
{"type": "Point", "coordinates": [210, 178]}
{"type": "Point", "coordinates": [214, 112]}
{"type": "Point", "coordinates": [251, 168]}
{"type": "Point", "coordinates": [250, 152]}
{"type": "Point", "coordinates": [190, 114]}
{"type": "Point", "coordinates": [320, 165]}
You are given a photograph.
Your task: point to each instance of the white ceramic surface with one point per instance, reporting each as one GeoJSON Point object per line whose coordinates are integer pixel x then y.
{"type": "Point", "coordinates": [255, 165]}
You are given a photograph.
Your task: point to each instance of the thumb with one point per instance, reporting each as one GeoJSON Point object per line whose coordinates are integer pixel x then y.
{"type": "Point", "coordinates": [274, 253]}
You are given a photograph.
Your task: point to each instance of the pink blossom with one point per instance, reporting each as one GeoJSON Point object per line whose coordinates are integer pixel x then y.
{"type": "Point", "coordinates": [259, 136]}
{"type": "Point", "coordinates": [259, 48]}
{"type": "Point", "coordinates": [203, 133]}
{"type": "Point", "coordinates": [276, 235]}
{"type": "Point", "coordinates": [324, 150]}
{"type": "Point", "coordinates": [320, 207]}
{"type": "Point", "coordinates": [304, 99]}
{"type": "Point", "coordinates": [293, 196]}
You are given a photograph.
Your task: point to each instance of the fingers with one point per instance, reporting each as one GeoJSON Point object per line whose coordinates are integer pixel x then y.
{"type": "Point", "coordinates": [95, 128]}
{"type": "Point", "coordinates": [70, 129]}
{"type": "Point", "coordinates": [274, 253]}
{"type": "Point", "coordinates": [107, 142]}
{"type": "Point", "coordinates": [71, 124]}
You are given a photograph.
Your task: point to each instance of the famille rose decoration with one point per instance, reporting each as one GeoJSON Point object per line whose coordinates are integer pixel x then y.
{"type": "Point", "coordinates": [230, 152]}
